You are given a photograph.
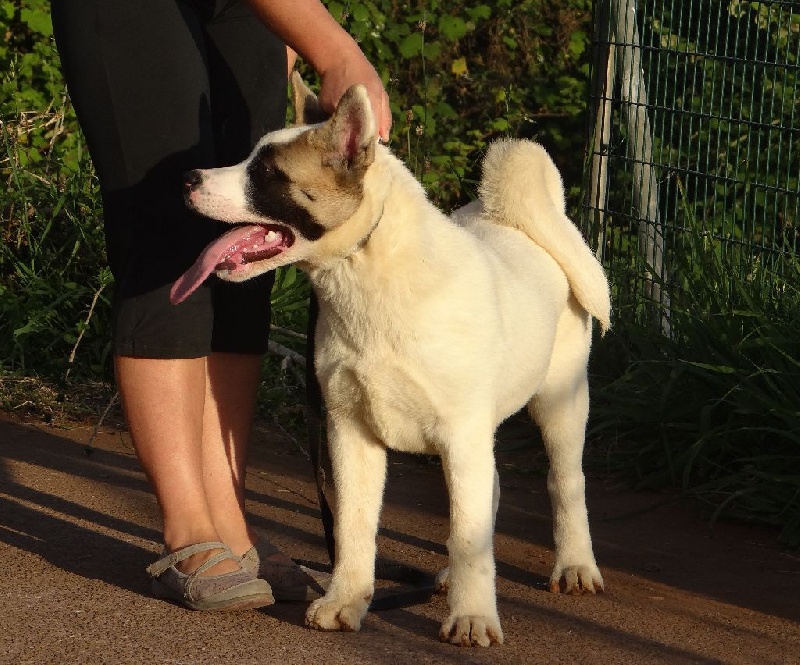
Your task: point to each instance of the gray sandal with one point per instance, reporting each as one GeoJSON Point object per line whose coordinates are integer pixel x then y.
{"type": "Point", "coordinates": [289, 580]}
{"type": "Point", "coordinates": [237, 590]}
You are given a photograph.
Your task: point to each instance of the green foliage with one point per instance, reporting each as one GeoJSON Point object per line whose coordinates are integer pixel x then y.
{"type": "Point", "coordinates": [52, 273]}
{"type": "Point", "coordinates": [32, 92]}
{"type": "Point", "coordinates": [715, 409]}
{"type": "Point", "coordinates": [711, 406]}
{"type": "Point", "coordinates": [459, 76]}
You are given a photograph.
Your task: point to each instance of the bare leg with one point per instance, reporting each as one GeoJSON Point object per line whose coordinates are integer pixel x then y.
{"type": "Point", "coordinates": [231, 390]}
{"type": "Point", "coordinates": [192, 444]}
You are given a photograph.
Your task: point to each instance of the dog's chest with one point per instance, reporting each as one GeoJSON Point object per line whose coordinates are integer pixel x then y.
{"type": "Point", "coordinates": [387, 398]}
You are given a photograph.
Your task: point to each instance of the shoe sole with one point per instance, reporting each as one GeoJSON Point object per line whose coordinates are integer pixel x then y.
{"type": "Point", "coordinates": [163, 592]}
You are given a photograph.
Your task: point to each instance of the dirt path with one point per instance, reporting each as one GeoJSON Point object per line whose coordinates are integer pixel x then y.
{"type": "Point", "coordinates": [77, 530]}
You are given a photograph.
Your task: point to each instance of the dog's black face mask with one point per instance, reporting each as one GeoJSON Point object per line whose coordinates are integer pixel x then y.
{"type": "Point", "coordinates": [269, 195]}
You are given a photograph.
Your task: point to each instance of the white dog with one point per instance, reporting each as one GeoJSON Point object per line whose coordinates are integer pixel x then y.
{"type": "Point", "coordinates": [431, 333]}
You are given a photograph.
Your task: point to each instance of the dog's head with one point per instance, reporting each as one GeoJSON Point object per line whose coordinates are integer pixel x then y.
{"type": "Point", "coordinates": [295, 190]}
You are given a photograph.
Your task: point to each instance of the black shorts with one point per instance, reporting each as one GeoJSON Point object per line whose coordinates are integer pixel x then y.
{"type": "Point", "coordinates": [161, 87]}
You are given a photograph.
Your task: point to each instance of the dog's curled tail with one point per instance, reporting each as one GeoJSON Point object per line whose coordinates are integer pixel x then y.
{"type": "Point", "coordinates": [521, 187]}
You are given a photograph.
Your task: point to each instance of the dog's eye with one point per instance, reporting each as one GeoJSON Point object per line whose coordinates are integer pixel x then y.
{"type": "Point", "coordinates": [308, 195]}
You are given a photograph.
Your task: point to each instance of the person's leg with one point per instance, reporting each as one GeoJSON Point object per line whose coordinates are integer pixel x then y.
{"type": "Point", "coordinates": [232, 386]}
{"type": "Point", "coordinates": [247, 77]}
{"type": "Point", "coordinates": [248, 99]}
{"type": "Point", "coordinates": [139, 84]}
{"type": "Point", "coordinates": [164, 401]}
{"type": "Point", "coordinates": [138, 74]}
{"type": "Point", "coordinates": [231, 389]}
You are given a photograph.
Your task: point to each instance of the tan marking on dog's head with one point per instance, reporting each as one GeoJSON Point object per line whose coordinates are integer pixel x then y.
{"type": "Point", "coordinates": [320, 171]}
{"type": "Point", "coordinates": [307, 110]}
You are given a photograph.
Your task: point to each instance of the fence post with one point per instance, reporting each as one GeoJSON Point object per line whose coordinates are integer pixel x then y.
{"type": "Point", "coordinates": [640, 151]}
{"type": "Point", "coordinates": [603, 84]}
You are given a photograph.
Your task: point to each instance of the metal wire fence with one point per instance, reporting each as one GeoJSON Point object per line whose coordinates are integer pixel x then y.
{"type": "Point", "coordinates": [695, 149]}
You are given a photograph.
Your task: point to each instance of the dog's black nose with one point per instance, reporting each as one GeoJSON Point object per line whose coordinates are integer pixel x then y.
{"type": "Point", "coordinates": [192, 180]}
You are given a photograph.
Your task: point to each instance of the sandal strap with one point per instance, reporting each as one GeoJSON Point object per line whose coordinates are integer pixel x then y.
{"type": "Point", "coordinates": [212, 561]}
{"type": "Point", "coordinates": [195, 575]}
{"type": "Point", "coordinates": [159, 567]}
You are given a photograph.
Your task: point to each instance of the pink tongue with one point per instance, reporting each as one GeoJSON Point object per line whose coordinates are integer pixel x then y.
{"type": "Point", "coordinates": [212, 255]}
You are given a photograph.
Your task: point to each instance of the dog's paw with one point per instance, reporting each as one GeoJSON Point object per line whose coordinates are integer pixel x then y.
{"type": "Point", "coordinates": [337, 613]}
{"type": "Point", "coordinates": [576, 580]}
{"type": "Point", "coordinates": [442, 582]}
{"type": "Point", "coordinates": [469, 631]}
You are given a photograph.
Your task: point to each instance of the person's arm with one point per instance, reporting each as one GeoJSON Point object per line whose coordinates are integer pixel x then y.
{"type": "Point", "coordinates": [307, 27]}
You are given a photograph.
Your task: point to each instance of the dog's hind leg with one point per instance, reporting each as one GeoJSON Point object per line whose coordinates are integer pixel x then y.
{"type": "Point", "coordinates": [470, 474]}
{"type": "Point", "coordinates": [358, 461]}
{"type": "Point", "coordinates": [561, 410]}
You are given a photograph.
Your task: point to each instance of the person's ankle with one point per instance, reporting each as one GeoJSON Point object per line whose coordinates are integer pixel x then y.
{"type": "Point", "coordinates": [241, 542]}
{"type": "Point", "coordinates": [192, 563]}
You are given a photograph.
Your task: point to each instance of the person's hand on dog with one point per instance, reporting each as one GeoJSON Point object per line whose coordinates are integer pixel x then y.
{"type": "Point", "coordinates": [308, 28]}
{"type": "Point", "coordinates": [348, 71]}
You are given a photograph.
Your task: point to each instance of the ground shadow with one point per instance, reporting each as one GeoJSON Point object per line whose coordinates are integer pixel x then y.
{"type": "Point", "coordinates": [670, 545]}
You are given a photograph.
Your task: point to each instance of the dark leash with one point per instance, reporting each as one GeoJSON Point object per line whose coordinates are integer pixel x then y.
{"type": "Point", "coordinates": [422, 585]}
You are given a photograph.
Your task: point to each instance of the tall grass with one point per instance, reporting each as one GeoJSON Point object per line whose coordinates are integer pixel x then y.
{"type": "Point", "coordinates": [713, 410]}
{"type": "Point", "coordinates": [53, 277]}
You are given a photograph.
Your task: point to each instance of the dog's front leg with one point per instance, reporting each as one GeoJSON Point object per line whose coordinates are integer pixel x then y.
{"type": "Point", "coordinates": [358, 461]}
{"type": "Point", "coordinates": [469, 471]}
{"type": "Point", "coordinates": [442, 583]}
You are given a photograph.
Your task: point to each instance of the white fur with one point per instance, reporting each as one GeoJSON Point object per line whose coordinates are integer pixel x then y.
{"type": "Point", "coordinates": [432, 335]}
{"type": "Point", "coordinates": [432, 331]}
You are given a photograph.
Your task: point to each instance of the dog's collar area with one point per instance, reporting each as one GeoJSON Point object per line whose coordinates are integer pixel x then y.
{"type": "Point", "coordinates": [361, 243]}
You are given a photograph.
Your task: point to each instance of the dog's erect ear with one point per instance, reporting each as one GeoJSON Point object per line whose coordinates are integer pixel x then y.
{"type": "Point", "coordinates": [349, 136]}
{"type": "Point", "coordinates": [307, 110]}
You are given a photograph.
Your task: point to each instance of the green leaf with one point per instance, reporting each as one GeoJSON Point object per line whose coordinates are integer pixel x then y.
{"type": "Point", "coordinates": [453, 27]}
{"type": "Point", "coordinates": [38, 21]}
{"type": "Point", "coordinates": [411, 45]}
{"type": "Point", "coordinates": [480, 12]}
{"type": "Point", "coordinates": [336, 10]}
{"type": "Point", "coordinates": [360, 12]}
{"type": "Point", "coordinates": [510, 42]}
{"type": "Point", "coordinates": [432, 50]}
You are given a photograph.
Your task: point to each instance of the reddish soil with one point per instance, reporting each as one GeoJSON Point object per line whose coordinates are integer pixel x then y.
{"type": "Point", "coordinates": [77, 530]}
